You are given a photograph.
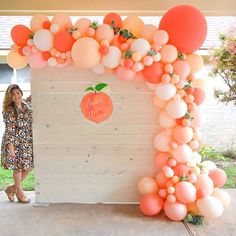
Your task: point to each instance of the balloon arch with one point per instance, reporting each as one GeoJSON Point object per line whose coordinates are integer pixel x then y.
{"type": "Point", "coordinates": [164, 56]}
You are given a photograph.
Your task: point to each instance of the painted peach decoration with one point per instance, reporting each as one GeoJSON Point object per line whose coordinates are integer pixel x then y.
{"type": "Point", "coordinates": [96, 106]}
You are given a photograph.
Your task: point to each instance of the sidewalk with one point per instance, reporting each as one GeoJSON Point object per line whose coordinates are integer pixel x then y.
{"type": "Point", "coordinates": [102, 220]}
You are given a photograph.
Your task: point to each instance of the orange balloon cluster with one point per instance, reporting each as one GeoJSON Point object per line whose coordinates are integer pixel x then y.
{"type": "Point", "coordinates": [162, 56]}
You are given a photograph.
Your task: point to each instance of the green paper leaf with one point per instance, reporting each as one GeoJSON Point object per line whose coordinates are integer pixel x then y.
{"type": "Point", "coordinates": [89, 89]}
{"type": "Point", "coordinates": [100, 86]}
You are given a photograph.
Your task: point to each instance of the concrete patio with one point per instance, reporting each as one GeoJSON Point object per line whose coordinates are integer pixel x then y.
{"type": "Point", "coordinates": [80, 219]}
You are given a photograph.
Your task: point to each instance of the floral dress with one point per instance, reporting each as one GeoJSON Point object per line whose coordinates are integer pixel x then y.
{"type": "Point", "coordinates": [18, 131]}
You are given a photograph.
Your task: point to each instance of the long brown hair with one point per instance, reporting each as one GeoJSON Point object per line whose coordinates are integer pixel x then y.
{"type": "Point", "coordinates": [7, 101]}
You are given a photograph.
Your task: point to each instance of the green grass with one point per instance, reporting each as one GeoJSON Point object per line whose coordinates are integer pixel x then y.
{"type": "Point", "coordinates": [6, 179]}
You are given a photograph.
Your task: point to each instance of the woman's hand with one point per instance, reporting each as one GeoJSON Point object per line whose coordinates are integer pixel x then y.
{"type": "Point", "coordinates": [11, 151]}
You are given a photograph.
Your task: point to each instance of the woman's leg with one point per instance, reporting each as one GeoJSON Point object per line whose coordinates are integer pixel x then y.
{"type": "Point", "coordinates": [17, 176]}
{"type": "Point", "coordinates": [25, 174]}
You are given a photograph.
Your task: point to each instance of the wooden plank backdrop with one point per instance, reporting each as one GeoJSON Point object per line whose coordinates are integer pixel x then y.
{"type": "Point", "coordinates": [82, 162]}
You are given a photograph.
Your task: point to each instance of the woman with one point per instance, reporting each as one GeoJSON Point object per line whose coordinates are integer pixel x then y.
{"type": "Point", "coordinates": [17, 142]}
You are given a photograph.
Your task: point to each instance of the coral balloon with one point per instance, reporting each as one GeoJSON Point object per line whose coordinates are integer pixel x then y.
{"type": "Point", "coordinates": [112, 59]}
{"type": "Point", "coordinates": [20, 35]}
{"type": "Point", "coordinates": [161, 142]}
{"type": "Point", "coordinates": [169, 53]}
{"type": "Point", "coordinates": [147, 32]}
{"type": "Point", "coordinates": [82, 25]}
{"type": "Point", "coordinates": [181, 169]}
{"type": "Point", "coordinates": [182, 134]}
{"type": "Point", "coordinates": [176, 108]}
{"type": "Point", "coordinates": [125, 74]}
{"type": "Point", "coordinates": [182, 69]}
{"type": "Point", "coordinates": [165, 91]}
{"type": "Point", "coordinates": [218, 177]}
{"type": "Point", "coordinates": [151, 204]}
{"type": "Point", "coordinates": [186, 26]}
{"type": "Point", "coordinates": [183, 153]}
{"type": "Point", "coordinates": [37, 21]}
{"type": "Point", "coordinates": [133, 24]}
{"type": "Point", "coordinates": [195, 62]}
{"type": "Point", "coordinates": [204, 186]}
{"type": "Point", "coordinates": [147, 185]}
{"type": "Point", "coordinates": [85, 52]}
{"type": "Point", "coordinates": [199, 96]}
{"type": "Point", "coordinates": [16, 61]}
{"type": "Point", "coordinates": [104, 32]}
{"type": "Point", "coordinates": [161, 179]}
{"type": "Point", "coordinates": [166, 121]}
{"type": "Point", "coordinates": [63, 41]}
{"type": "Point", "coordinates": [223, 196]}
{"type": "Point", "coordinates": [161, 159]}
{"type": "Point", "coordinates": [185, 192]}
{"type": "Point", "coordinates": [113, 19]}
{"type": "Point", "coordinates": [210, 207]}
{"type": "Point", "coordinates": [63, 21]}
{"type": "Point", "coordinates": [175, 211]}
{"type": "Point", "coordinates": [43, 40]}
{"type": "Point", "coordinates": [153, 73]}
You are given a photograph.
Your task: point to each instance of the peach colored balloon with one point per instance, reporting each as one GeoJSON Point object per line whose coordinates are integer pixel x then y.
{"type": "Point", "coordinates": [210, 207]}
{"type": "Point", "coordinates": [185, 192]}
{"type": "Point", "coordinates": [176, 108]}
{"type": "Point", "coordinates": [182, 134]}
{"type": "Point", "coordinates": [161, 37]}
{"type": "Point", "coordinates": [166, 121]}
{"type": "Point", "coordinates": [133, 24]}
{"type": "Point", "coordinates": [85, 52]}
{"type": "Point", "coordinates": [158, 102]}
{"type": "Point", "coordinates": [147, 185]}
{"type": "Point", "coordinates": [161, 179]}
{"type": "Point", "coordinates": [161, 142]}
{"type": "Point", "coordinates": [183, 153]}
{"type": "Point", "coordinates": [104, 32]}
{"type": "Point", "coordinates": [181, 68]}
{"type": "Point", "coordinates": [175, 211]}
{"type": "Point", "coordinates": [16, 61]}
{"type": "Point", "coordinates": [151, 204]}
{"type": "Point", "coordinates": [37, 21]}
{"type": "Point", "coordinates": [62, 20]}
{"type": "Point", "coordinates": [204, 186]}
{"type": "Point", "coordinates": [195, 62]}
{"type": "Point", "coordinates": [82, 25]}
{"type": "Point", "coordinates": [161, 159]}
{"type": "Point", "coordinates": [169, 53]}
{"type": "Point", "coordinates": [218, 177]}
{"type": "Point", "coordinates": [147, 32]}
{"type": "Point", "coordinates": [223, 196]}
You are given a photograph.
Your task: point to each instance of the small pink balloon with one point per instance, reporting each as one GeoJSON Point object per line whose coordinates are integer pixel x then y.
{"type": "Point", "coordinates": [27, 51]}
{"type": "Point", "coordinates": [171, 198]}
{"type": "Point", "coordinates": [161, 179]}
{"type": "Point", "coordinates": [125, 74]}
{"type": "Point", "coordinates": [36, 60]}
{"type": "Point", "coordinates": [175, 211]}
{"type": "Point", "coordinates": [161, 159]}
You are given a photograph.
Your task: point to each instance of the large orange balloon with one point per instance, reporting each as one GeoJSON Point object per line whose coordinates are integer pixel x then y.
{"type": "Point", "coordinates": [147, 32]}
{"type": "Point", "coordinates": [133, 24]}
{"type": "Point", "coordinates": [113, 19]}
{"type": "Point", "coordinates": [63, 41]}
{"type": "Point", "coordinates": [16, 61]}
{"type": "Point", "coordinates": [20, 35]}
{"type": "Point", "coordinates": [186, 26]}
{"type": "Point", "coordinates": [85, 52]}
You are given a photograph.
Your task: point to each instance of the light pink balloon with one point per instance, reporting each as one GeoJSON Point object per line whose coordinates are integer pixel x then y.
{"type": "Point", "coordinates": [125, 74]}
{"type": "Point", "coordinates": [166, 121]}
{"type": "Point", "coordinates": [183, 153]}
{"type": "Point", "coordinates": [161, 142]}
{"type": "Point", "coordinates": [182, 69]}
{"type": "Point", "coordinates": [204, 186]}
{"type": "Point", "coordinates": [161, 37]}
{"type": "Point", "coordinates": [185, 192]}
{"type": "Point", "coordinates": [176, 108]}
{"type": "Point", "coordinates": [182, 134]}
{"type": "Point", "coordinates": [175, 211]}
{"type": "Point", "coordinates": [36, 60]}
{"type": "Point", "coordinates": [27, 51]}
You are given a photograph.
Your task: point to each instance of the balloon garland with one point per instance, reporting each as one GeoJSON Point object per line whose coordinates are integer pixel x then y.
{"type": "Point", "coordinates": [164, 57]}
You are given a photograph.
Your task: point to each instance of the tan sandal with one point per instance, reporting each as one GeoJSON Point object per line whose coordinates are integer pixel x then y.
{"type": "Point", "coordinates": [10, 191]}
{"type": "Point", "coordinates": [22, 198]}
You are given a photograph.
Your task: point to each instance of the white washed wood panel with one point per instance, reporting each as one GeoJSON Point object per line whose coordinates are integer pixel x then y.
{"type": "Point", "coordinates": [79, 161]}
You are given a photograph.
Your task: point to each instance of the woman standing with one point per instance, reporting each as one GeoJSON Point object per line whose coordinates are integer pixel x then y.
{"type": "Point", "coordinates": [17, 142]}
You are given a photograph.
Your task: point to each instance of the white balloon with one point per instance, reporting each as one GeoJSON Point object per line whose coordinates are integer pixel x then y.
{"type": "Point", "coordinates": [140, 45]}
{"type": "Point", "coordinates": [161, 142]}
{"type": "Point", "coordinates": [54, 28]}
{"type": "Point", "coordinates": [52, 62]}
{"type": "Point", "coordinates": [210, 165]}
{"type": "Point", "coordinates": [112, 59]}
{"type": "Point", "coordinates": [197, 157]}
{"type": "Point", "coordinates": [43, 40]}
{"type": "Point", "coordinates": [166, 121]}
{"type": "Point", "coordinates": [98, 69]}
{"type": "Point", "coordinates": [165, 91]}
{"type": "Point", "coordinates": [223, 196]}
{"type": "Point", "coordinates": [210, 207]}
{"type": "Point", "coordinates": [176, 108]}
